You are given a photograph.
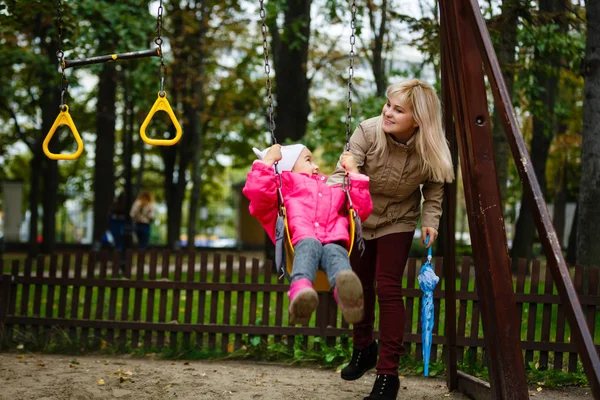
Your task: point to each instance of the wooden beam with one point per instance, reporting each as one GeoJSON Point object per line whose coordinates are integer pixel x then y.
{"type": "Point", "coordinates": [579, 330]}
{"type": "Point", "coordinates": [493, 276]}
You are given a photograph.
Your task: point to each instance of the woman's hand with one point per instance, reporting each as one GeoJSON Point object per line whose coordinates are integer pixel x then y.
{"type": "Point", "coordinates": [348, 162]}
{"type": "Point", "coordinates": [273, 155]}
{"type": "Point", "coordinates": [432, 232]}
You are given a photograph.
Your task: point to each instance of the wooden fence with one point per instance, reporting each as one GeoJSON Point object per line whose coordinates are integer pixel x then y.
{"type": "Point", "coordinates": [182, 300]}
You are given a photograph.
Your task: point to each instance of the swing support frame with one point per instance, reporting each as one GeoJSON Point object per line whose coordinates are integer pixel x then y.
{"type": "Point", "coordinates": [156, 52]}
{"type": "Point", "coordinates": [468, 55]}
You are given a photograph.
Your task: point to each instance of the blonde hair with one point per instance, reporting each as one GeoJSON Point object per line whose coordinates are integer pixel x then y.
{"type": "Point", "coordinates": [430, 141]}
{"type": "Point", "coordinates": [146, 197]}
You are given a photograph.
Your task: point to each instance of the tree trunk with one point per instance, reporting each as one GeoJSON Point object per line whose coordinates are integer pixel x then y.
{"type": "Point", "coordinates": [177, 158]}
{"type": "Point", "coordinates": [560, 203]}
{"type": "Point", "coordinates": [49, 179]}
{"type": "Point", "coordinates": [35, 168]}
{"type": "Point", "coordinates": [588, 250]}
{"type": "Point", "coordinates": [572, 249]}
{"type": "Point", "coordinates": [197, 123]}
{"type": "Point", "coordinates": [104, 168]}
{"type": "Point", "coordinates": [506, 56]}
{"type": "Point", "coordinates": [290, 57]}
{"type": "Point", "coordinates": [49, 99]}
{"type": "Point", "coordinates": [380, 32]}
{"type": "Point", "coordinates": [544, 128]}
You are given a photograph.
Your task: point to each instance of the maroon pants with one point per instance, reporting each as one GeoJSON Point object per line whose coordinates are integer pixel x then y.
{"type": "Point", "coordinates": [383, 262]}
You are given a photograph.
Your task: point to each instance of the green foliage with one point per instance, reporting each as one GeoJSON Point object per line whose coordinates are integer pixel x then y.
{"type": "Point", "coordinates": [327, 128]}
{"type": "Point", "coordinates": [410, 366]}
{"type": "Point", "coordinates": [320, 353]}
{"type": "Point", "coordinates": [550, 378]}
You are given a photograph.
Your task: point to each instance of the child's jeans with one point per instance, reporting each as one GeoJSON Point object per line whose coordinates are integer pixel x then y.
{"type": "Point", "coordinates": [310, 254]}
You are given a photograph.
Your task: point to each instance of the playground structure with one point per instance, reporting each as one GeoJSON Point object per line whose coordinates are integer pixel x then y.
{"type": "Point", "coordinates": [468, 55]}
{"type": "Point", "coordinates": [64, 117]}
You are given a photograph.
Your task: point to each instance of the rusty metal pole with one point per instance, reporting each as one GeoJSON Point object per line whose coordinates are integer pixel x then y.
{"type": "Point", "coordinates": [579, 330]}
{"type": "Point", "coordinates": [493, 276]}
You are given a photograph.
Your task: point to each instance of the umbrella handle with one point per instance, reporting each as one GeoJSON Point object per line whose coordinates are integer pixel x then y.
{"type": "Point", "coordinates": [429, 257]}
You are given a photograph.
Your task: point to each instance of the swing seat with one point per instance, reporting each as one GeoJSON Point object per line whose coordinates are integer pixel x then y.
{"type": "Point", "coordinates": [321, 283]}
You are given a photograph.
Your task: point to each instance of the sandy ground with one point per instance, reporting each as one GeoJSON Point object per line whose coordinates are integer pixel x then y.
{"type": "Point", "coordinates": [44, 377]}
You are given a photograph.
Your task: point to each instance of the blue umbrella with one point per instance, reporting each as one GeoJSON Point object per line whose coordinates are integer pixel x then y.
{"type": "Point", "coordinates": [427, 281]}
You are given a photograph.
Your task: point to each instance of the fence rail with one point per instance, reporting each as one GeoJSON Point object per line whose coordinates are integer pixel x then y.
{"type": "Point", "coordinates": [184, 299]}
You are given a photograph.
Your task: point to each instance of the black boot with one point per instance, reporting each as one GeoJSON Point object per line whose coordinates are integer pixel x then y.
{"type": "Point", "coordinates": [385, 388]}
{"type": "Point", "coordinates": [362, 361]}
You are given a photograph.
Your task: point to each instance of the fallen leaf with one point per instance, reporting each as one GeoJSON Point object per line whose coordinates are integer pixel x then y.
{"type": "Point", "coordinates": [128, 373]}
{"type": "Point", "coordinates": [186, 363]}
{"type": "Point", "coordinates": [100, 382]}
{"type": "Point", "coordinates": [230, 348]}
{"type": "Point", "coordinates": [103, 344]}
{"type": "Point", "coordinates": [20, 356]}
{"type": "Point", "coordinates": [539, 389]}
{"type": "Point", "coordinates": [20, 347]}
{"type": "Point", "coordinates": [42, 364]}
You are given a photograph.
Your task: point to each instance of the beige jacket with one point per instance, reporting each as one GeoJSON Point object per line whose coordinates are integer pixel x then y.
{"type": "Point", "coordinates": [395, 184]}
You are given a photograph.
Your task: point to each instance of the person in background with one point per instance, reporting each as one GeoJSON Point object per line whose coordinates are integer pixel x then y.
{"type": "Point", "coordinates": [116, 221]}
{"type": "Point", "coordinates": [142, 213]}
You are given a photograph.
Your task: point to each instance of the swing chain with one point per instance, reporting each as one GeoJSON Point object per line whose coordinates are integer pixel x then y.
{"type": "Point", "coordinates": [159, 42]}
{"type": "Point", "coordinates": [60, 55]}
{"type": "Point", "coordinates": [263, 28]}
{"type": "Point", "coordinates": [350, 73]}
{"type": "Point", "coordinates": [267, 72]}
{"type": "Point", "coordinates": [346, 182]}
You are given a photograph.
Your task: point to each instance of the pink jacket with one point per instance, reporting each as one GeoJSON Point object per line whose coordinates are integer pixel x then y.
{"type": "Point", "coordinates": [314, 209]}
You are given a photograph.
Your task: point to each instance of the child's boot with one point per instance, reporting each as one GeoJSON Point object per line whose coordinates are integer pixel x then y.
{"type": "Point", "coordinates": [303, 301]}
{"type": "Point", "coordinates": [348, 293]}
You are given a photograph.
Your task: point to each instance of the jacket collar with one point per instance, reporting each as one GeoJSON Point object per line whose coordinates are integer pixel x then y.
{"type": "Point", "coordinates": [410, 144]}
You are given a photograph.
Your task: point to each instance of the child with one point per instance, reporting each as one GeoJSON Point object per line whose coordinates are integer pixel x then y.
{"type": "Point", "coordinates": [318, 223]}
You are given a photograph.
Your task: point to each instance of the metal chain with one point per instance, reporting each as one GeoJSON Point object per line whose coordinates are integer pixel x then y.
{"type": "Point", "coordinates": [267, 72]}
{"type": "Point", "coordinates": [60, 55]}
{"type": "Point", "coordinates": [159, 42]}
{"type": "Point", "coordinates": [263, 28]}
{"type": "Point", "coordinates": [350, 73]}
{"type": "Point", "coordinates": [346, 182]}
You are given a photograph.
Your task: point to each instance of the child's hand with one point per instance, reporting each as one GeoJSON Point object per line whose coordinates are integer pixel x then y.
{"type": "Point", "coordinates": [348, 162]}
{"type": "Point", "coordinates": [273, 155]}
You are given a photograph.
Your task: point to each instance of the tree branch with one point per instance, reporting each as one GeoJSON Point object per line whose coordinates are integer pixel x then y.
{"type": "Point", "coordinates": [20, 133]}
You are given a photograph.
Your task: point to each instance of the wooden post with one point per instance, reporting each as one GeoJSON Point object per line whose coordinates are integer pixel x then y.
{"type": "Point", "coordinates": [449, 209]}
{"type": "Point", "coordinates": [493, 277]}
{"type": "Point", "coordinates": [5, 280]}
{"type": "Point", "coordinates": [555, 261]}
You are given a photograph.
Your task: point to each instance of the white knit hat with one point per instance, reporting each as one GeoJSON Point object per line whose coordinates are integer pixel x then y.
{"type": "Point", "coordinates": [289, 156]}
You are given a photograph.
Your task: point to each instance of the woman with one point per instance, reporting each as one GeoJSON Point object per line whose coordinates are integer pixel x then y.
{"type": "Point", "coordinates": [405, 154]}
{"type": "Point", "coordinates": [142, 214]}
